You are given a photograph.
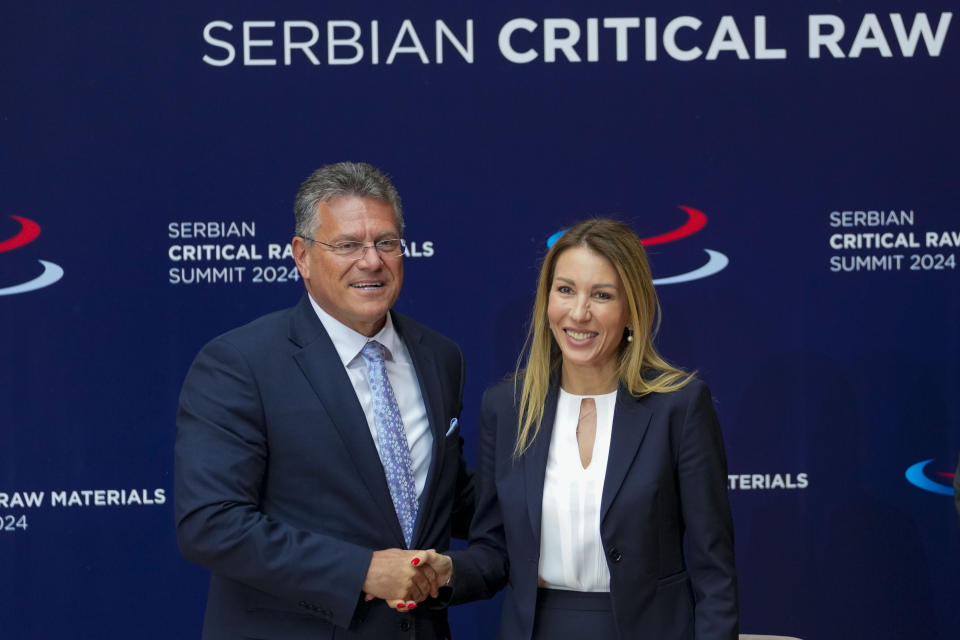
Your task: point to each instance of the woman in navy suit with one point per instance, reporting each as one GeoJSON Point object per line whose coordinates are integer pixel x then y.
{"type": "Point", "coordinates": [602, 498]}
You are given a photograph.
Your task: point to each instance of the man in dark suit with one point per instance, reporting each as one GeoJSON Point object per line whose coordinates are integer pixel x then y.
{"type": "Point", "coordinates": [317, 446]}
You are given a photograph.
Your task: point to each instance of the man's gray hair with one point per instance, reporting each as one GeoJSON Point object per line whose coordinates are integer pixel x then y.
{"type": "Point", "coordinates": [343, 179]}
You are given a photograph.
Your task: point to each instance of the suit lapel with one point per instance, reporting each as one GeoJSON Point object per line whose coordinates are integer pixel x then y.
{"type": "Point", "coordinates": [424, 363]}
{"type": "Point", "coordinates": [320, 363]}
{"type": "Point", "coordinates": [630, 422]}
{"type": "Point", "coordinates": [535, 462]}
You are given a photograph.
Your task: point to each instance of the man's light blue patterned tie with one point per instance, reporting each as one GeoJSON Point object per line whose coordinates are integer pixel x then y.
{"type": "Point", "coordinates": [394, 450]}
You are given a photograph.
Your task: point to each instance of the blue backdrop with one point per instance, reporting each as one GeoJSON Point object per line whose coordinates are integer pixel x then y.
{"type": "Point", "coordinates": [800, 158]}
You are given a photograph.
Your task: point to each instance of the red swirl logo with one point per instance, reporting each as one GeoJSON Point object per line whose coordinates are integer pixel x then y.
{"type": "Point", "coordinates": [29, 231]}
{"type": "Point", "coordinates": [696, 220]}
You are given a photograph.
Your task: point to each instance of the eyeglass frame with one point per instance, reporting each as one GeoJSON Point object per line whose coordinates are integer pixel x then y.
{"type": "Point", "coordinates": [363, 247]}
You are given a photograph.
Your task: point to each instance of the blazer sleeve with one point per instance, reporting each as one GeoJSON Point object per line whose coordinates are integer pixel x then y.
{"type": "Point", "coordinates": [702, 477]}
{"type": "Point", "coordinates": [480, 570]}
{"type": "Point", "coordinates": [464, 501]}
{"type": "Point", "coordinates": [220, 462]}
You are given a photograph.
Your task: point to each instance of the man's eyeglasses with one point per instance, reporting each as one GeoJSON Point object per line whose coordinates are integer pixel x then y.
{"type": "Point", "coordinates": [386, 248]}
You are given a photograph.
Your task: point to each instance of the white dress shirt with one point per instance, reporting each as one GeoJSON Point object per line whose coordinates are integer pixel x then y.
{"type": "Point", "coordinates": [571, 552]}
{"type": "Point", "coordinates": [403, 379]}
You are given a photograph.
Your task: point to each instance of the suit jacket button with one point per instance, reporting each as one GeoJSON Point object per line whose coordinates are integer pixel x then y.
{"type": "Point", "coordinates": [303, 603]}
{"type": "Point", "coordinates": [615, 555]}
{"type": "Point", "coordinates": [404, 625]}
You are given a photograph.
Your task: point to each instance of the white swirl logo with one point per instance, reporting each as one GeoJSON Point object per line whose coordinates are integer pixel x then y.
{"type": "Point", "coordinates": [29, 231]}
{"type": "Point", "coordinates": [696, 220]}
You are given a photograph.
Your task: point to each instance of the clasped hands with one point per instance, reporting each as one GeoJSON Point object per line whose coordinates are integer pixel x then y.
{"type": "Point", "coordinates": [403, 577]}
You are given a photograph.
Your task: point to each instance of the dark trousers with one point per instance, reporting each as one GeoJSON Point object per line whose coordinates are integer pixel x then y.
{"type": "Point", "coordinates": [573, 615]}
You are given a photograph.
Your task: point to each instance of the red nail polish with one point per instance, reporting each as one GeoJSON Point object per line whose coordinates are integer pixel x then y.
{"type": "Point", "coordinates": [401, 606]}
{"type": "Point", "coordinates": [415, 561]}
{"type": "Point", "coordinates": [412, 606]}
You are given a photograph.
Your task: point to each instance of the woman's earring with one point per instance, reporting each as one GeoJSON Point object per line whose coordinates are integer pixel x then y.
{"type": "Point", "coordinates": [629, 334]}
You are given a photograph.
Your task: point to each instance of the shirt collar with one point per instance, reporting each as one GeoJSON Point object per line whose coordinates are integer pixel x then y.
{"type": "Point", "coordinates": [348, 342]}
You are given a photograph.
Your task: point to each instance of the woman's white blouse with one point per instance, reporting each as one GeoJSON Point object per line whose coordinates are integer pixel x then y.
{"type": "Point", "coordinates": [571, 552]}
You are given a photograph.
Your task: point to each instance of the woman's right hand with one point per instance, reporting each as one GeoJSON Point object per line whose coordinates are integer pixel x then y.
{"type": "Point", "coordinates": [436, 567]}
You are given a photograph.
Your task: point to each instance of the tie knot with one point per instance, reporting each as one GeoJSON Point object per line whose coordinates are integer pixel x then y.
{"type": "Point", "coordinates": [372, 351]}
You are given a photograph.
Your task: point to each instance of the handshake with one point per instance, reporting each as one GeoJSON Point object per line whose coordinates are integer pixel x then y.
{"type": "Point", "coordinates": [403, 578]}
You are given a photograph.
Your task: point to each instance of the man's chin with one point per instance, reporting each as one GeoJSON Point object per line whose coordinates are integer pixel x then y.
{"type": "Point", "coordinates": [370, 315]}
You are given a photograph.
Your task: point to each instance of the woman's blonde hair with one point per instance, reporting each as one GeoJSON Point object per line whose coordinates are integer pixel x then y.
{"type": "Point", "coordinates": [639, 367]}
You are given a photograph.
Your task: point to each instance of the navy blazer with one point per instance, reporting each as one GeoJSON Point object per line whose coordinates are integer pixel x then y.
{"type": "Point", "coordinates": [665, 517]}
{"type": "Point", "coordinates": [279, 489]}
